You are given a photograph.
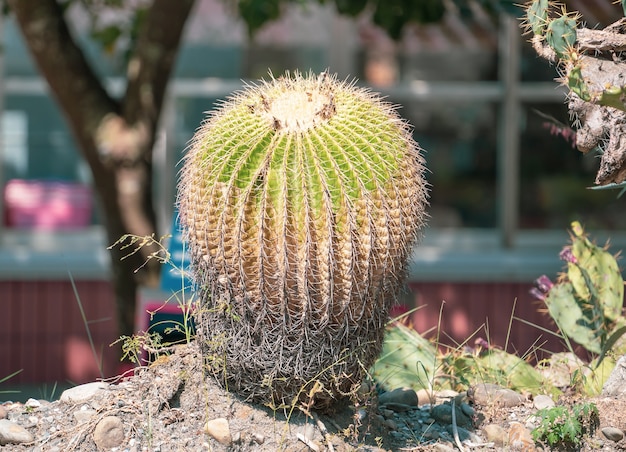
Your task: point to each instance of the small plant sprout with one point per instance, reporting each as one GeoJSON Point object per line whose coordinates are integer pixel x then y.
{"type": "Point", "coordinates": [134, 347]}
{"type": "Point", "coordinates": [564, 428]}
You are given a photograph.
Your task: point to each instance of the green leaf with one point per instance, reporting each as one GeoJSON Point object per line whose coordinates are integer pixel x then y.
{"type": "Point", "coordinates": [624, 6]}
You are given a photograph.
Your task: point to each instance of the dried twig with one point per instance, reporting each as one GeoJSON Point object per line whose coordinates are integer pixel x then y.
{"type": "Point", "coordinates": [324, 431]}
{"type": "Point", "coordinates": [308, 442]}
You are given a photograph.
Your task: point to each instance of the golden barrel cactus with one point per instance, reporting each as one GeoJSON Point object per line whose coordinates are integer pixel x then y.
{"type": "Point", "coordinates": [301, 199]}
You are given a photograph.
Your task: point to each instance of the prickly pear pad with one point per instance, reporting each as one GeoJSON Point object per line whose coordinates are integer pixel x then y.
{"type": "Point", "coordinates": [301, 199]}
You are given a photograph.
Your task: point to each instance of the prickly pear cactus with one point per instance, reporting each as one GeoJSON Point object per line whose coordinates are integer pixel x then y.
{"type": "Point", "coordinates": [592, 65]}
{"type": "Point", "coordinates": [408, 360]}
{"type": "Point", "coordinates": [301, 199]}
{"type": "Point", "coordinates": [586, 303]}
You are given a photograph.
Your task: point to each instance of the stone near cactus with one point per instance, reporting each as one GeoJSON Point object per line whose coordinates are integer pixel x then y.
{"type": "Point", "coordinates": [301, 199]}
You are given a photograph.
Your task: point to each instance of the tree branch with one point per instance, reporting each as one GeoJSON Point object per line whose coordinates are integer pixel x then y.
{"type": "Point", "coordinates": [61, 61]}
{"type": "Point", "coordinates": [152, 62]}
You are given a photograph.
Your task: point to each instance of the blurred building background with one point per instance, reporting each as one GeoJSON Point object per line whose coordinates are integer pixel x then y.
{"type": "Point", "coordinates": [505, 187]}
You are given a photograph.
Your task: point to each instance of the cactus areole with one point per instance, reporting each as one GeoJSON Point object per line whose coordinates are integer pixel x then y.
{"type": "Point", "coordinates": [301, 199]}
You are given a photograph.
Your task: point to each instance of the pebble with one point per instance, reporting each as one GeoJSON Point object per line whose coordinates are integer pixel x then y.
{"type": "Point", "coordinates": [485, 394]}
{"type": "Point", "coordinates": [541, 402]}
{"type": "Point", "coordinates": [496, 434]}
{"type": "Point", "coordinates": [447, 394]}
{"type": "Point", "coordinates": [391, 424]}
{"type": "Point", "coordinates": [463, 433]}
{"type": "Point", "coordinates": [258, 438]}
{"type": "Point", "coordinates": [520, 438]}
{"type": "Point", "coordinates": [219, 430]}
{"type": "Point", "coordinates": [413, 419]}
{"type": "Point", "coordinates": [613, 434]}
{"type": "Point", "coordinates": [82, 393]}
{"type": "Point", "coordinates": [468, 410]}
{"type": "Point", "coordinates": [12, 433]}
{"type": "Point", "coordinates": [424, 396]}
{"type": "Point", "coordinates": [32, 403]}
{"type": "Point", "coordinates": [399, 398]}
{"type": "Point", "coordinates": [83, 415]}
{"type": "Point", "coordinates": [399, 407]}
{"type": "Point", "coordinates": [109, 432]}
{"type": "Point", "coordinates": [443, 414]}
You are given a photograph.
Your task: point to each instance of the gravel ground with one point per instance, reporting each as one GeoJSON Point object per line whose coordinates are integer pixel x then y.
{"type": "Point", "coordinates": [171, 406]}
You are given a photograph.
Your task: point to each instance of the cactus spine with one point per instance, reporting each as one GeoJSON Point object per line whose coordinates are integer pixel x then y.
{"type": "Point", "coordinates": [301, 199]}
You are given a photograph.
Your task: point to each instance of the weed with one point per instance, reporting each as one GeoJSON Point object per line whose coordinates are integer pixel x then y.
{"type": "Point", "coordinates": [3, 379]}
{"type": "Point", "coordinates": [563, 428]}
{"type": "Point", "coordinates": [153, 342]}
{"type": "Point", "coordinates": [86, 323]}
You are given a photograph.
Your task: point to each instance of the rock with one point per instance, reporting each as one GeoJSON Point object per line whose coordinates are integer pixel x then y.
{"type": "Point", "coordinates": [520, 438]}
{"type": "Point", "coordinates": [464, 434]}
{"type": "Point", "coordinates": [613, 434]}
{"type": "Point", "coordinates": [109, 432]}
{"type": "Point", "coordinates": [468, 410]}
{"type": "Point", "coordinates": [399, 407]}
{"type": "Point", "coordinates": [12, 433]}
{"type": "Point", "coordinates": [82, 393]}
{"type": "Point", "coordinates": [424, 396]}
{"type": "Point", "coordinates": [447, 394]}
{"type": "Point", "coordinates": [399, 397]}
{"type": "Point", "coordinates": [258, 438]}
{"type": "Point", "coordinates": [541, 402]}
{"type": "Point", "coordinates": [219, 430]}
{"type": "Point", "coordinates": [83, 415]}
{"type": "Point", "coordinates": [443, 414]}
{"type": "Point", "coordinates": [560, 367]}
{"type": "Point", "coordinates": [3, 412]}
{"type": "Point", "coordinates": [496, 434]}
{"type": "Point", "coordinates": [391, 424]}
{"type": "Point", "coordinates": [615, 385]}
{"type": "Point", "coordinates": [364, 389]}
{"type": "Point", "coordinates": [485, 394]}
{"type": "Point", "coordinates": [32, 404]}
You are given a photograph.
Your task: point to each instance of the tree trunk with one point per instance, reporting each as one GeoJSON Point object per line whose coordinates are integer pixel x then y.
{"type": "Point", "coordinates": [116, 137]}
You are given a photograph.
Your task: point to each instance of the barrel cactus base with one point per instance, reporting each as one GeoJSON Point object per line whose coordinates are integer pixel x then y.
{"type": "Point", "coordinates": [301, 199]}
{"type": "Point", "coordinates": [280, 368]}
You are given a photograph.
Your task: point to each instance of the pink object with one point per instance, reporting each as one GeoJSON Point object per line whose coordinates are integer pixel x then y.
{"type": "Point", "coordinates": [35, 204]}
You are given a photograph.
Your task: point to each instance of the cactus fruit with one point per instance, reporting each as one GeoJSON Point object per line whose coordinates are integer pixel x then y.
{"type": "Point", "coordinates": [586, 303]}
{"type": "Point", "coordinates": [301, 199]}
